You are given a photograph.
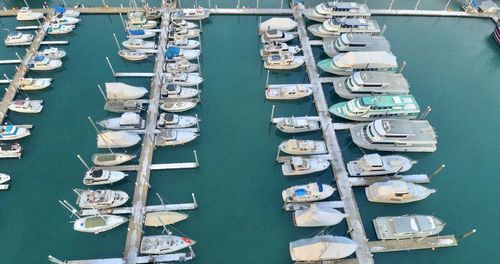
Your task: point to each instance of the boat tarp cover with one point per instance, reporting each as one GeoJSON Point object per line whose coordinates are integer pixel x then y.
{"type": "Point", "coordinates": [279, 23]}
{"type": "Point", "coordinates": [130, 118]}
{"type": "Point", "coordinates": [322, 248]}
{"type": "Point", "coordinates": [117, 138]}
{"type": "Point", "coordinates": [365, 59]}
{"type": "Point", "coordinates": [172, 52]}
{"type": "Point", "coordinates": [135, 32]}
{"type": "Point", "coordinates": [318, 216]}
{"type": "Point", "coordinates": [163, 218]}
{"type": "Point", "coordinates": [59, 9]}
{"type": "Point", "coordinates": [117, 90]}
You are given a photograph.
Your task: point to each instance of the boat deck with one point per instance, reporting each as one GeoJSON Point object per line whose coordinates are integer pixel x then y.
{"type": "Point", "coordinates": [365, 181]}
{"type": "Point", "coordinates": [433, 242]}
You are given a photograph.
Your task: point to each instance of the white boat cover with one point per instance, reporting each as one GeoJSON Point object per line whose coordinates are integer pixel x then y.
{"type": "Point", "coordinates": [318, 216]}
{"type": "Point", "coordinates": [163, 218]}
{"type": "Point", "coordinates": [278, 23]}
{"type": "Point", "coordinates": [130, 118]}
{"type": "Point", "coordinates": [117, 139]}
{"type": "Point", "coordinates": [321, 248]}
{"type": "Point", "coordinates": [124, 91]}
{"type": "Point", "coordinates": [370, 58]}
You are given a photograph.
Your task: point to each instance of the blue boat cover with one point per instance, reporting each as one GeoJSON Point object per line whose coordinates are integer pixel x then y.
{"type": "Point", "coordinates": [320, 186]}
{"type": "Point", "coordinates": [59, 9]}
{"type": "Point", "coordinates": [39, 58]}
{"type": "Point", "coordinates": [135, 32]}
{"type": "Point", "coordinates": [172, 52]}
{"type": "Point", "coordinates": [300, 192]}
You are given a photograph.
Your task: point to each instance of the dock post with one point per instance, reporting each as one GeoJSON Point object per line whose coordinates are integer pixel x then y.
{"type": "Point", "coordinates": [55, 260]}
{"type": "Point", "coordinates": [209, 5]}
{"type": "Point", "coordinates": [116, 40]}
{"type": "Point", "coordinates": [272, 114]}
{"type": "Point", "coordinates": [416, 5]}
{"type": "Point", "coordinates": [19, 57]}
{"type": "Point", "coordinates": [425, 113]}
{"type": "Point", "coordinates": [437, 170]}
{"type": "Point", "coordinates": [267, 79]}
{"type": "Point", "coordinates": [403, 65]}
{"type": "Point", "coordinates": [197, 122]}
{"type": "Point", "coordinates": [194, 200]}
{"type": "Point", "coordinates": [201, 25]}
{"type": "Point", "coordinates": [199, 65]}
{"type": "Point", "coordinates": [123, 21]}
{"type": "Point", "coordinates": [196, 158]}
{"type": "Point", "coordinates": [383, 30]}
{"type": "Point", "coordinates": [281, 5]}
{"type": "Point", "coordinates": [447, 4]}
{"type": "Point", "coordinates": [110, 66]}
{"type": "Point", "coordinates": [390, 5]}
{"type": "Point", "coordinates": [102, 92]}
{"type": "Point", "coordinates": [277, 154]}
{"type": "Point", "coordinates": [257, 4]}
{"type": "Point", "coordinates": [26, 3]}
{"type": "Point", "coordinates": [473, 231]}
{"type": "Point", "coordinates": [83, 162]}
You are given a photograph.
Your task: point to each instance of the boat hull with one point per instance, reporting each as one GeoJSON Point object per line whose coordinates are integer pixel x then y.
{"type": "Point", "coordinates": [111, 159]}
{"type": "Point", "coordinates": [111, 221]}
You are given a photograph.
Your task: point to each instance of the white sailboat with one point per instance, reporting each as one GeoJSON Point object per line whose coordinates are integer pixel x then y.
{"type": "Point", "coordinates": [164, 244]}
{"type": "Point", "coordinates": [127, 121]}
{"type": "Point", "coordinates": [182, 79]}
{"type": "Point", "coordinates": [174, 137]}
{"type": "Point", "coordinates": [64, 20]}
{"type": "Point", "coordinates": [31, 84]}
{"type": "Point", "coordinates": [138, 44]}
{"type": "Point", "coordinates": [288, 91]}
{"type": "Point", "coordinates": [111, 159]}
{"type": "Point", "coordinates": [176, 107]}
{"type": "Point", "coordinates": [53, 53]}
{"type": "Point", "coordinates": [133, 55]}
{"type": "Point", "coordinates": [4, 178]}
{"type": "Point", "coordinates": [177, 92]}
{"type": "Point", "coordinates": [98, 223]}
{"type": "Point", "coordinates": [59, 29]}
{"type": "Point", "coordinates": [42, 63]}
{"type": "Point", "coordinates": [182, 65]}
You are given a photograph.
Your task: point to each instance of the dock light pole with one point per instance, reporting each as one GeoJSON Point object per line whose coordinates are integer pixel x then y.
{"type": "Point", "coordinates": [447, 4]}
{"type": "Point", "coordinates": [272, 114]}
{"type": "Point", "coordinates": [116, 40]}
{"type": "Point", "coordinates": [267, 79]}
{"type": "Point", "coordinates": [281, 5]}
{"type": "Point", "coordinates": [26, 3]}
{"type": "Point", "coordinates": [196, 159]}
{"type": "Point", "coordinates": [390, 6]}
{"type": "Point", "coordinates": [257, 4]}
{"type": "Point", "coordinates": [425, 113]}
{"type": "Point", "coordinates": [110, 66]}
{"type": "Point", "coordinates": [473, 231]}
{"type": "Point", "coordinates": [102, 92]}
{"type": "Point", "coordinates": [403, 65]}
{"type": "Point", "coordinates": [416, 5]}
{"type": "Point", "coordinates": [83, 162]}
{"type": "Point", "coordinates": [437, 170]}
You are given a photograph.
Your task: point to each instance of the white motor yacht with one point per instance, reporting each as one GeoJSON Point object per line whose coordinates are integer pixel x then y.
{"type": "Point", "coordinates": [26, 106]}
{"type": "Point", "coordinates": [101, 177]}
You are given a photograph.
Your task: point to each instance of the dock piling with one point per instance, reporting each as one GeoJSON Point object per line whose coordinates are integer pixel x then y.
{"type": "Point", "coordinates": [267, 79]}
{"type": "Point", "coordinates": [425, 113]}
{"type": "Point", "coordinates": [272, 114]}
{"type": "Point", "coordinates": [102, 92]}
{"type": "Point", "coordinates": [473, 231]}
{"type": "Point", "coordinates": [194, 201]}
{"type": "Point", "coordinates": [83, 162]}
{"type": "Point", "coordinates": [403, 65]}
{"type": "Point", "coordinates": [437, 170]}
{"type": "Point", "coordinates": [196, 158]}
{"type": "Point", "coordinates": [416, 5]}
{"type": "Point", "coordinates": [116, 40]}
{"type": "Point", "coordinates": [110, 66]}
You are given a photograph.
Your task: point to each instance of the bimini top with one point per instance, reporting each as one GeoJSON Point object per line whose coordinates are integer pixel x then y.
{"type": "Point", "coordinates": [172, 52]}
{"type": "Point", "coordinates": [368, 59]}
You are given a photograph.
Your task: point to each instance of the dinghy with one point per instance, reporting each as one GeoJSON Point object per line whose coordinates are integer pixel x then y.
{"type": "Point", "coordinates": [374, 164]}
{"type": "Point", "coordinates": [4, 178]}
{"type": "Point", "coordinates": [100, 199]}
{"type": "Point", "coordinates": [11, 132]}
{"type": "Point", "coordinates": [26, 106]}
{"type": "Point", "coordinates": [164, 244]}
{"type": "Point", "coordinates": [396, 191]}
{"type": "Point", "coordinates": [303, 147]}
{"type": "Point", "coordinates": [8, 150]}
{"type": "Point", "coordinates": [176, 107]}
{"type": "Point", "coordinates": [138, 44]}
{"type": "Point", "coordinates": [277, 23]}
{"type": "Point", "coordinates": [18, 39]}
{"type": "Point", "coordinates": [311, 192]}
{"type": "Point", "coordinates": [53, 53]}
{"type": "Point", "coordinates": [170, 120]}
{"type": "Point", "coordinates": [177, 92]}
{"type": "Point", "coordinates": [98, 223]}
{"type": "Point", "coordinates": [288, 91]}
{"type": "Point", "coordinates": [111, 159]}
{"type": "Point", "coordinates": [302, 166]}
{"type": "Point", "coordinates": [31, 84]}
{"type": "Point", "coordinates": [128, 121]}
{"type": "Point", "coordinates": [25, 14]}
{"type": "Point", "coordinates": [117, 139]}
{"type": "Point", "coordinates": [297, 125]}
{"type": "Point", "coordinates": [122, 91]}
{"type": "Point", "coordinates": [322, 248]}
{"type": "Point", "coordinates": [157, 219]}
{"type": "Point", "coordinates": [317, 216]}
{"type": "Point", "coordinates": [182, 79]}
{"type": "Point", "coordinates": [101, 177]}
{"type": "Point", "coordinates": [133, 55]}
{"type": "Point", "coordinates": [174, 137]}
{"type": "Point", "coordinates": [407, 226]}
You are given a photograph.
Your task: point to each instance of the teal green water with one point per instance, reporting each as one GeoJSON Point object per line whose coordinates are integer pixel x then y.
{"type": "Point", "coordinates": [454, 69]}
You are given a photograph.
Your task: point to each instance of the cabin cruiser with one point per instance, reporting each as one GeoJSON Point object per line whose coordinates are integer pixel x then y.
{"type": "Point", "coordinates": [164, 244]}
{"type": "Point", "coordinates": [197, 13]}
{"type": "Point", "coordinates": [288, 91]}
{"type": "Point", "coordinates": [141, 23]}
{"type": "Point", "coordinates": [59, 29]}
{"type": "Point", "coordinates": [303, 147]}
{"type": "Point", "coordinates": [61, 9]}
{"type": "Point", "coordinates": [112, 158]}
{"type": "Point", "coordinates": [370, 83]}
{"type": "Point", "coordinates": [283, 61]}
{"type": "Point", "coordinates": [117, 139]}
{"type": "Point", "coordinates": [276, 48]}
{"type": "Point", "coordinates": [139, 34]}
{"type": "Point", "coordinates": [170, 120]}
{"type": "Point", "coordinates": [179, 22]}
{"type": "Point", "coordinates": [374, 165]}
{"type": "Point", "coordinates": [301, 166]}
{"type": "Point", "coordinates": [368, 108]}
{"type": "Point", "coordinates": [311, 192]}
{"type": "Point", "coordinates": [122, 106]}
{"type": "Point", "coordinates": [183, 32]}
{"type": "Point", "coordinates": [277, 23]}
{"type": "Point", "coordinates": [180, 65]}
{"type": "Point", "coordinates": [18, 39]}
{"type": "Point", "coordinates": [271, 36]}
{"type": "Point", "coordinates": [317, 216]}
{"type": "Point", "coordinates": [297, 125]}
{"type": "Point", "coordinates": [184, 43]}
{"type": "Point", "coordinates": [8, 150]}
{"type": "Point", "coordinates": [331, 9]}
{"type": "Point", "coordinates": [127, 121]}
{"type": "Point", "coordinates": [53, 53]}
{"type": "Point", "coordinates": [30, 84]}
{"type": "Point", "coordinates": [396, 191]}
{"type": "Point", "coordinates": [4, 178]}
{"type": "Point", "coordinates": [133, 55]}
{"type": "Point", "coordinates": [25, 14]}
{"type": "Point", "coordinates": [350, 62]}
{"type": "Point", "coordinates": [11, 132]}
{"type": "Point", "coordinates": [101, 177]}
{"type": "Point", "coordinates": [177, 106]}
{"type": "Point", "coordinates": [26, 106]}
{"type": "Point", "coordinates": [322, 248]}
{"type": "Point", "coordinates": [407, 226]}
{"type": "Point", "coordinates": [177, 92]}
{"type": "Point", "coordinates": [174, 137]}
{"type": "Point", "coordinates": [138, 44]}
{"type": "Point", "coordinates": [122, 91]}
{"type": "Point", "coordinates": [100, 199]}
{"type": "Point", "coordinates": [355, 42]}
{"type": "Point", "coordinates": [182, 79]}
{"type": "Point", "coordinates": [395, 135]}
{"type": "Point", "coordinates": [174, 53]}
{"type": "Point", "coordinates": [98, 223]}
{"type": "Point", "coordinates": [42, 63]}
{"type": "Point", "coordinates": [64, 20]}
{"type": "Point", "coordinates": [336, 26]}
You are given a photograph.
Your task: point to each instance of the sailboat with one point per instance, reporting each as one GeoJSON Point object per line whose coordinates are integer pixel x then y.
{"type": "Point", "coordinates": [98, 223]}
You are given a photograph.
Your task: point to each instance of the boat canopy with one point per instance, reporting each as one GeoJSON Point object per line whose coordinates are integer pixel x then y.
{"type": "Point", "coordinates": [116, 90]}
{"type": "Point", "coordinates": [172, 52]}
{"type": "Point", "coordinates": [59, 9]}
{"type": "Point", "coordinates": [322, 248]}
{"type": "Point", "coordinates": [368, 59]}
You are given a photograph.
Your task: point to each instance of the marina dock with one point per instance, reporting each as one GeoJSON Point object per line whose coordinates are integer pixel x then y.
{"type": "Point", "coordinates": [353, 219]}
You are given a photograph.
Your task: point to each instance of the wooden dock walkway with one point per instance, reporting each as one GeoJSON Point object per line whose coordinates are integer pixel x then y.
{"type": "Point", "coordinates": [134, 233]}
{"type": "Point", "coordinates": [22, 69]}
{"type": "Point", "coordinates": [354, 222]}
